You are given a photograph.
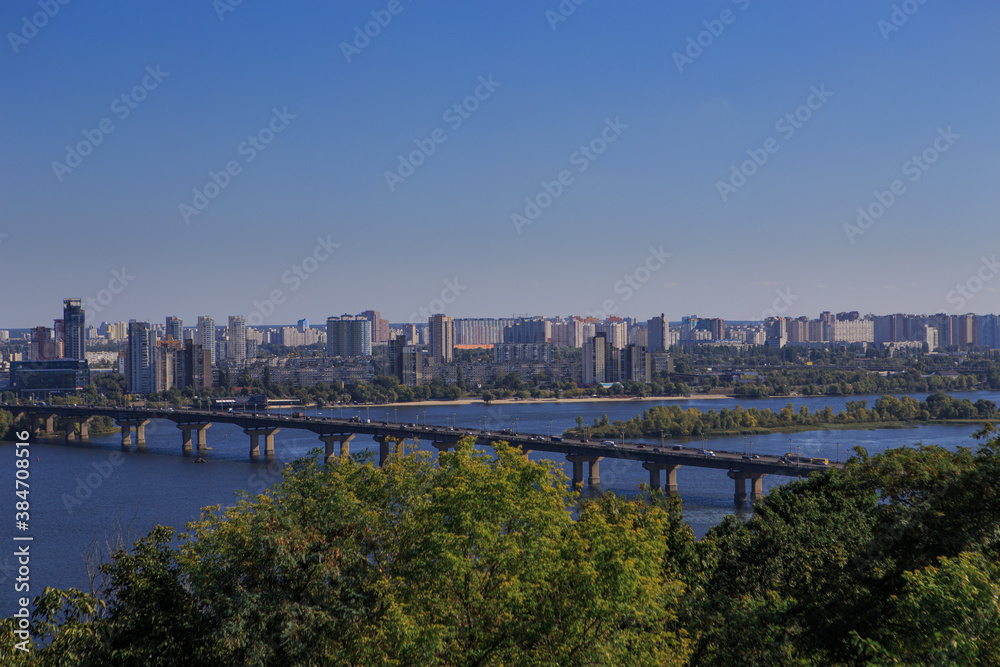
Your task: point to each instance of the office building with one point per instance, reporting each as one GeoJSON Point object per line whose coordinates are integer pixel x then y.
{"type": "Point", "coordinates": [206, 335]}
{"type": "Point", "coordinates": [348, 336]}
{"type": "Point", "coordinates": [140, 358]}
{"type": "Point", "coordinates": [442, 332]}
{"type": "Point", "coordinates": [49, 376]}
{"type": "Point", "coordinates": [74, 336]}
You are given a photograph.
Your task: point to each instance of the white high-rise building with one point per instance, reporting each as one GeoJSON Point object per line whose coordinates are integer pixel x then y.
{"type": "Point", "coordinates": [206, 335]}
{"type": "Point", "coordinates": [237, 348]}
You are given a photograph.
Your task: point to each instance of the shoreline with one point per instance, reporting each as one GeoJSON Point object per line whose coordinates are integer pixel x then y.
{"type": "Point", "coordinates": [523, 401]}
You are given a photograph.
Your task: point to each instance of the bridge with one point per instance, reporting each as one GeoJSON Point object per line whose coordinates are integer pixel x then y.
{"type": "Point", "coordinates": [391, 436]}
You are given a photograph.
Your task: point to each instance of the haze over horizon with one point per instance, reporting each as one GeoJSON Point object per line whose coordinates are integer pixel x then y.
{"type": "Point", "coordinates": [256, 138]}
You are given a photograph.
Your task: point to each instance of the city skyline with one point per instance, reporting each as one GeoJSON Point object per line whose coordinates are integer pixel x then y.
{"type": "Point", "coordinates": [694, 159]}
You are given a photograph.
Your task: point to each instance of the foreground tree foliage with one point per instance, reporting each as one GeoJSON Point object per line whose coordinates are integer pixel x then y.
{"type": "Point", "coordinates": [478, 560]}
{"type": "Point", "coordinates": [473, 560]}
{"type": "Point", "coordinates": [892, 561]}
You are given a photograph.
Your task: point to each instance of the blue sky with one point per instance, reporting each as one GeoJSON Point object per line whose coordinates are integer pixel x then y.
{"type": "Point", "coordinates": [443, 235]}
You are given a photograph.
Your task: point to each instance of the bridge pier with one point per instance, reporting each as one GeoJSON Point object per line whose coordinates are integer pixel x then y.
{"type": "Point", "coordinates": [71, 426]}
{"type": "Point", "coordinates": [594, 479]}
{"type": "Point", "coordinates": [444, 445]}
{"type": "Point", "coordinates": [140, 432]}
{"type": "Point", "coordinates": [201, 428]}
{"type": "Point", "coordinates": [255, 433]}
{"type": "Point", "coordinates": [654, 476]}
{"type": "Point", "coordinates": [45, 425]}
{"type": "Point", "coordinates": [331, 445]}
{"type": "Point", "coordinates": [386, 445]}
{"type": "Point", "coordinates": [756, 487]}
{"type": "Point", "coordinates": [740, 495]}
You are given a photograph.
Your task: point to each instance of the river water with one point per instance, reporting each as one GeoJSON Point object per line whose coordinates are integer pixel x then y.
{"type": "Point", "coordinates": [82, 494]}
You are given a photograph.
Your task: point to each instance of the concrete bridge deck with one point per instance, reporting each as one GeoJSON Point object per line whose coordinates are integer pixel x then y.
{"type": "Point", "coordinates": [391, 435]}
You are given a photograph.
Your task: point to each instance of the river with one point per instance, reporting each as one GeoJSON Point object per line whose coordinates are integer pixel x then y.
{"type": "Point", "coordinates": [83, 493]}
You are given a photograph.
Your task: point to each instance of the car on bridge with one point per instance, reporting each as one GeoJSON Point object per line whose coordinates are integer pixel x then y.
{"type": "Point", "coordinates": [609, 443]}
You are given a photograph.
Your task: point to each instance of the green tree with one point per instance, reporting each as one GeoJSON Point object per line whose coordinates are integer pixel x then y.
{"type": "Point", "coordinates": [474, 560]}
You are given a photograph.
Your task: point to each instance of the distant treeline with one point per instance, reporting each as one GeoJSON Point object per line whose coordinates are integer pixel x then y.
{"type": "Point", "coordinates": [675, 421]}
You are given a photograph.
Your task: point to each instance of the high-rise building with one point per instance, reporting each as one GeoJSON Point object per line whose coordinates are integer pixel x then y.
{"type": "Point", "coordinates": [140, 358]}
{"type": "Point", "coordinates": [528, 330]}
{"type": "Point", "coordinates": [442, 329]}
{"type": "Point", "coordinates": [595, 359]}
{"type": "Point", "coordinates": [175, 328]}
{"type": "Point", "coordinates": [237, 348]}
{"type": "Point", "coordinates": [302, 324]}
{"type": "Point", "coordinates": [412, 333]}
{"type": "Point", "coordinates": [658, 333]}
{"type": "Point", "coordinates": [479, 331]}
{"type": "Point", "coordinates": [636, 364]}
{"type": "Point", "coordinates": [169, 368]}
{"type": "Point", "coordinates": [404, 361]}
{"type": "Point", "coordinates": [988, 331]}
{"type": "Point", "coordinates": [380, 327]}
{"type": "Point", "coordinates": [43, 345]}
{"type": "Point", "coordinates": [59, 338]}
{"type": "Point", "coordinates": [852, 329]}
{"type": "Point", "coordinates": [74, 329]}
{"type": "Point", "coordinates": [617, 331]}
{"type": "Point", "coordinates": [197, 366]}
{"type": "Point", "coordinates": [206, 335]}
{"type": "Point", "coordinates": [776, 329]}
{"type": "Point", "coordinates": [348, 336]}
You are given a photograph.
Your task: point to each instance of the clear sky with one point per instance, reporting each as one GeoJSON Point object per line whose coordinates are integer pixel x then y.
{"type": "Point", "coordinates": [654, 199]}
